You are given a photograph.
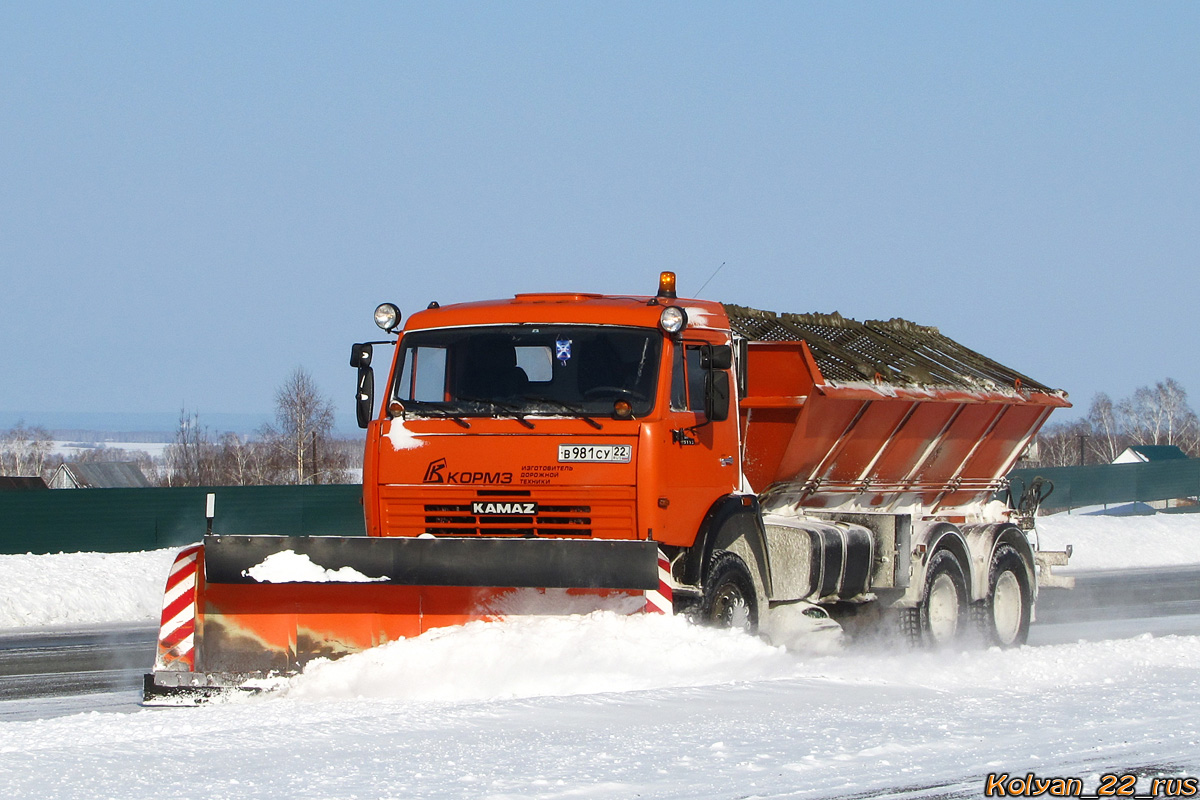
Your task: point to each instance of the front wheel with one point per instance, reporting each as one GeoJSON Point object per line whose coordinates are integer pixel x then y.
{"type": "Point", "coordinates": [729, 598]}
{"type": "Point", "coordinates": [1002, 619]}
{"type": "Point", "coordinates": [938, 619]}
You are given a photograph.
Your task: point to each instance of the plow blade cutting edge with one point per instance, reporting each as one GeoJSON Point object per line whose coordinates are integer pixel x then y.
{"type": "Point", "coordinates": [240, 608]}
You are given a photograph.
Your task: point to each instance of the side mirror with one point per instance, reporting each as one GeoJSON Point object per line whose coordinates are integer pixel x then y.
{"type": "Point", "coordinates": [716, 356]}
{"type": "Point", "coordinates": [364, 401]}
{"type": "Point", "coordinates": [360, 355]}
{"type": "Point", "coordinates": [716, 394]}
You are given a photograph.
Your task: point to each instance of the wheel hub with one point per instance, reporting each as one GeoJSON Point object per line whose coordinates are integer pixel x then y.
{"type": "Point", "coordinates": [943, 609]}
{"type": "Point", "coordinates": [730, 609]}
{"type": "Point", "coordinates": [1007, 608]}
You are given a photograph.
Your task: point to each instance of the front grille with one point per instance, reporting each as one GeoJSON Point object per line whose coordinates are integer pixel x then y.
{"type": "Point", "coordinates": [595, 512]}
{"type": "Point", "coordinates": [457, 520]}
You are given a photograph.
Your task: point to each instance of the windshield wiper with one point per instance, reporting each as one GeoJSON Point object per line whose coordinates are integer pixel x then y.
{"type": "Point", "coordinates": [502, 405]}
{"type": "Point", "coordinates": [570, 407]}
{"type": "Point", "coordinates": [431, 409]}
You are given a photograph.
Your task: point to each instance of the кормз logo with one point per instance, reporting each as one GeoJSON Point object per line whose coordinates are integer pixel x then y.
{"type": "Point", "coordinates": [436, 472]}
{"type": "Point", "coordinates": [433, 474]}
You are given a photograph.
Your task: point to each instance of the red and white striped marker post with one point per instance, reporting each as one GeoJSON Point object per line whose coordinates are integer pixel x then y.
{"type": "Point", "coordinates": [176, 632]}
{"type": "Point", "coordinates": [659, 601]}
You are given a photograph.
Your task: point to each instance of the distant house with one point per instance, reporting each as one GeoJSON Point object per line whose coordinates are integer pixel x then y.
{"type": "Point", "coordinates": [99, 475]}
{"type": "Point", "coordinates": [12, 483]}
{"type": "Point", "coordinates": [1144, 453]}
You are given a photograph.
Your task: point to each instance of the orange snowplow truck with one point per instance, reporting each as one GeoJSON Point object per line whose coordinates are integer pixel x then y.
{"type": "Point", "coordinates": [551, 452]}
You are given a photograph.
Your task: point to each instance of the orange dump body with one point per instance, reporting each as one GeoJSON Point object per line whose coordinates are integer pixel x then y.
{"type": "Point", "coordinates": [878, 416]}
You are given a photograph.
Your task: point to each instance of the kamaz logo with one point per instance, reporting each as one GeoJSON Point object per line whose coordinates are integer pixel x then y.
{"type": "Point", "coordinates": [436, 472]}
{"type": "Point", "coordinates": [480, 508]}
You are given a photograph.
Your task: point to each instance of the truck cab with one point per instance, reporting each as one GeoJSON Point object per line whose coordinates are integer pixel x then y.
{"type": "Point", "coordinates": [555, 415]}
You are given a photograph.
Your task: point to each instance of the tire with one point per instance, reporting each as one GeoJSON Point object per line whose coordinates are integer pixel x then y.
{"type": "Point", "coordinates": [729, 599]}
{"type": "Point", "coordinates": [940, 618]}
{"type": "Point", "coordinates": [1002, 619]}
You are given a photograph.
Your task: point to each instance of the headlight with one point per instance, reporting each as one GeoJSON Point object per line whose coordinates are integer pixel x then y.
{"type": "Point", "coordinates": [673, 319]}
{"type": "Point", "coordinates": [387, 316]}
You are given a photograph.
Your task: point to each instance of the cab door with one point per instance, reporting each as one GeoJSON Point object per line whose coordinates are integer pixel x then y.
{"type": "Point", "coordinates": [701, 454]}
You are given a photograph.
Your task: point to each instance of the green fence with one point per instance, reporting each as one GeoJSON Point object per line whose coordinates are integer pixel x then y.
{"type": "Point", "coordinates": [128, 520]}
{"type": "Point", "coordinates": [1108, 484]}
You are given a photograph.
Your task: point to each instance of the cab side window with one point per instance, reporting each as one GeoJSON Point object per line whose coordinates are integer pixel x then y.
{"type": "Point", "coordinates": [679, 400]}
{"type": "Point", "coordinates": [687, 379]}
{"type": "Point", "coordinates": [695, 379]}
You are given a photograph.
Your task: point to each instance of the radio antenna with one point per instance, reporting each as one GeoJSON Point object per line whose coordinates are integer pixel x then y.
{"type": "Point", "coordinates": [710, 277]}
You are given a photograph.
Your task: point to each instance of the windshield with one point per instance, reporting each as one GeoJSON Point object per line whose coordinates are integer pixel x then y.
{"type": "Point", "coordinates": [527, 370]}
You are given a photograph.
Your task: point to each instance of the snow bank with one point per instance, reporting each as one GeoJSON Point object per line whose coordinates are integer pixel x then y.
{"type": "Point", "coordinates": [602, 652]}
{"type": "Point", "coordinates": [82, 588]}
{"type": "Point", "coordinates": [541, 656]}
{"type": "Point", "coordinates": [1102, 542]}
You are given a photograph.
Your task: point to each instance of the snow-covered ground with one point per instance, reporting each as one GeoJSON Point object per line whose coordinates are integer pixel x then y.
{"type": "Point", "coordinates": [1110, 542]}
{"type": "Point", "coordinates": [81, 588]}
{"type": "Point", "coordinates": [641, 707]}
{"type": "Point", "coordinates": [603, 706]}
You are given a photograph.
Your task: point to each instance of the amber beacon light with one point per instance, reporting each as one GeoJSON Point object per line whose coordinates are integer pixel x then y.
{"type": "Point", "coordinates": [666, 285]}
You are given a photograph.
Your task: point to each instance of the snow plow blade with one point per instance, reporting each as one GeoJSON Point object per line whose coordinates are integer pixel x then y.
{"type": "Point", "coordinates": [549, 563]}
{"type": "Point", "coordinates": [231, 616]}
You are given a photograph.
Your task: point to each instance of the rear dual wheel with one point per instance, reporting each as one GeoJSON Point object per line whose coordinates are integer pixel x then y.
{"type": "Point", "coordinates": [939, 619]}
{"type": "Point", "coordinates": [1001, 619]}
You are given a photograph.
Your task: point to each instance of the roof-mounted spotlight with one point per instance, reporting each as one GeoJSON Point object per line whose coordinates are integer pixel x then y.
{"type": "Point", "coordinates": [673, 319]}
{"type": "Point", "coordinates": [387, 316]}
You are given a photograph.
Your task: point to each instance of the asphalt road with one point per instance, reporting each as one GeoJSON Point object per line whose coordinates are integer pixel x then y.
{"type": "Point", "coordinates": [51, 662]}
{"type": "Point", "coordinates": [112, 659]}
{"type": "Point", "coordinates": [1118, 594]}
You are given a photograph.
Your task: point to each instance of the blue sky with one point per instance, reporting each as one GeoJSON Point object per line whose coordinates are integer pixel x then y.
{"type": "Point", "coordinates": [195, 200]}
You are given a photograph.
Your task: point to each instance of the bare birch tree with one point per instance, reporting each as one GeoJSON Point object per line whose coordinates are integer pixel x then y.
{"type": "Point", "coordinates": [302, 434]}
{"type": "Point", "coordinates": [1160, 415]}
{"type": "Point", "coordinates": [1106, 440]}
{"type": "Point", "coordinates": [1059, 444]}
{"type": "Point", "coordinates": [26, 451]}
{"type": "Point", "coordinates": [190, 458]}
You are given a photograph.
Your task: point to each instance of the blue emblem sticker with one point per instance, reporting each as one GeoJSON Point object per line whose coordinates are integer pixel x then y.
{"type": "Point", "coordinates": [562, 350]}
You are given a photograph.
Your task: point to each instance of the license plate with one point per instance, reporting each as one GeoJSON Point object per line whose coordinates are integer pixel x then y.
{"type": "Point", "coordinates": [599, 453]}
